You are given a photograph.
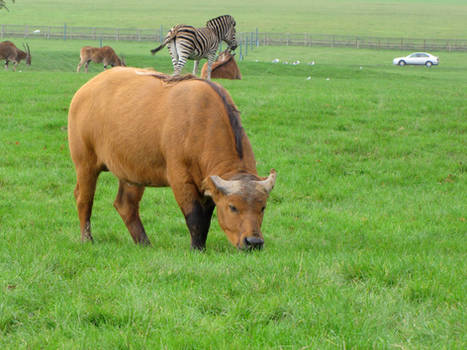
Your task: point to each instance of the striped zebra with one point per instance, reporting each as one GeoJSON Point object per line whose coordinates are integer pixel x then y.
{"type": "Point", "coordinates": [186, 42]}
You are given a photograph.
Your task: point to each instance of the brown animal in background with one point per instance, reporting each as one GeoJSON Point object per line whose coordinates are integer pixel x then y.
{"type": "Point", "coordinates": [10, 53]}
{"type": "Point", "coordinates": [104, 55]}
{"type": "Point", "coordinates": [224, 67]}
{"type": "Point", "coordinates": [150, 129]}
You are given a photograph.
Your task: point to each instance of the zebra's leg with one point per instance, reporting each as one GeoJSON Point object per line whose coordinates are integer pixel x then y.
{"type": "Point", "coordinates": [211, 59]}
{"type": "Point", "coordinates": [180, 64]}
{"type": "Point", "coordinates": [195, 67]}
{"type": "Point", "coordinates": [174, 55]}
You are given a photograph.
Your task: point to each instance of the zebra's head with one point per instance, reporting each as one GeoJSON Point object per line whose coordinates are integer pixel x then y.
{"type": "Point", "coordinates": [224, 26]}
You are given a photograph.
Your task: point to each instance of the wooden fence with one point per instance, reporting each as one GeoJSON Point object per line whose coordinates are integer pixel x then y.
{"type": "Point", "coordinates": [247, 40]}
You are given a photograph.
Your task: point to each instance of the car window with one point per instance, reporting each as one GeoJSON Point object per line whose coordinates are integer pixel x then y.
{"type": "Point", "coordinates": [413, 55]}
{"type": "Point", "coordinates": [423, 55]}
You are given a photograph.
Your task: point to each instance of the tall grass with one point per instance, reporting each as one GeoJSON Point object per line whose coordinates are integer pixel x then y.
{"type": "Point", "coordinates": [365, 230]}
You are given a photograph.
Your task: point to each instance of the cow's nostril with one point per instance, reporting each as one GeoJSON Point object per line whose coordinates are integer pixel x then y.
{"type": "Point", "coordinates": [254, 242]}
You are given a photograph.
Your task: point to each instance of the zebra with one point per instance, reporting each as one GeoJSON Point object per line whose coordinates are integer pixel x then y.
{"type": "Point", "coordinates": [187, 42]}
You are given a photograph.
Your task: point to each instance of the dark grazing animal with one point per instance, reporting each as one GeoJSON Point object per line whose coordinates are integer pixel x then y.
{"type": "Point", "coordinates": [151, 129]}
{"type": "Point", "coordinates": [104, 55]}
{"type": "Point", "coordinates": [186, 42]}
{"type": "Point", "coordinates": [10, 53]}
{"type": "Point", "coordinates": [225, 67]}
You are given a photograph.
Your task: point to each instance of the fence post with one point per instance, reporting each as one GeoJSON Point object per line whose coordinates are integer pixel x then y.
{"type": "Point", "coordinates": [245, 39]}
{"type": "Point", "coordinates": [3, 30]}
{"type": "Point", "coordinates": [100, 42]}
{"type": "Point", "coordinates": [402, 43]}
{"type": "Point", "coordinates": [64, 31]}
{"type": "Point", "coordinates": [161, 34]}
{"type": "Point", "coordinates": [241, 53]}
{"type": "Point", "coordinates": [117, 34]}
{"type": "Point", "coordinates": [257, 39]}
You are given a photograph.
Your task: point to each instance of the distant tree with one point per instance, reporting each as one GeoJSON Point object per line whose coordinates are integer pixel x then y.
{"type": "Point", "coordinates": [3, 4]}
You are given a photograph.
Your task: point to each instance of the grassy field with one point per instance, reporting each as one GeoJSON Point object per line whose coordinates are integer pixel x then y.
{"type": "Point", "coordinates": [365, 231]}
{"type": "Point", "coordinates": [388, 18]}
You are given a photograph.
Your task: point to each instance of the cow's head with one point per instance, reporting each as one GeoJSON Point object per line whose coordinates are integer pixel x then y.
{"type": "Point", "coordinates": [241, 202]}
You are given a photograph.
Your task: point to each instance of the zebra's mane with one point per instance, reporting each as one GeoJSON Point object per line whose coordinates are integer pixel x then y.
{"type": "Point", "coordinates": [232, 111]}
{"type": "Point", "coordinates": [226, 18]}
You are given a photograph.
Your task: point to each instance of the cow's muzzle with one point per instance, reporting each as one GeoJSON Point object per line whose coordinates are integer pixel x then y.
{"type": "Point", "coordinates": [253, 243]}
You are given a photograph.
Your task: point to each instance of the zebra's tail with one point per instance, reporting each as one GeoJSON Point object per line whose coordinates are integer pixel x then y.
{"type": "Point", "coordinates": [153, 51]}
{"type": "Point", "coordinates": [170, 36]}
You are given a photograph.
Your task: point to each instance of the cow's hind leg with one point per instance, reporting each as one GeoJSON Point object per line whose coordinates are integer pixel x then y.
{"type": "Point", "coordinates": [127, 205]}
{"type": "Point", "coordinates": [84, 195]}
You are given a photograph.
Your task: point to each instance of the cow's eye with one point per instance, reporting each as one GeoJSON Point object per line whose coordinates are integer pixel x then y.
{"type": "Point", "coordinates": [233, 209]}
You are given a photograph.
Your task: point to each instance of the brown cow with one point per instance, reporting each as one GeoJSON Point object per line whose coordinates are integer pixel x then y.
{"type": "Point", "coordinates": [10, 53]}
{"type": "Point", "coordinates": [150, 129]}
{"type": "Point", "coordinates": [104, 55]}
{"type": "Point", "coordinates": [224, 67]}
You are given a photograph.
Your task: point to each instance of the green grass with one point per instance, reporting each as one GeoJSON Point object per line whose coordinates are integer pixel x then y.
{"type": "Point", "coordinates": [429, 19]}
{"type": "Point", "coordinates": [365, 230]}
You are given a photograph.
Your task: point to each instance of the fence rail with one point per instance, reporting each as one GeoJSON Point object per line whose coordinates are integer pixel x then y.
{"type": "Point", "coordinates": [246, 39]}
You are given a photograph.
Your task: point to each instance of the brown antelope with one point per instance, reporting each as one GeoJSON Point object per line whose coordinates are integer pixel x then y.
{"type": "Point", "coordinates": [150, 129]}
{"type": "Point", "coordinates": [104, 55]}
{"type": "Point", "coordinates": [10, 53]}
{"type": "Point", "coordinates": [224, 67]}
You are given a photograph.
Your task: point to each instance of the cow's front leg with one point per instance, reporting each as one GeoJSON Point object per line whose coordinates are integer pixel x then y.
{"type": "Point", "coordinates": [198, 220]}
{"type": "Point", "coordinates": [197, 211]}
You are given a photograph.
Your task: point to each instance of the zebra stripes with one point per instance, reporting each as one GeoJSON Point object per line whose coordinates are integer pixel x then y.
{"type": "Point", "coordinates": [187, 42]}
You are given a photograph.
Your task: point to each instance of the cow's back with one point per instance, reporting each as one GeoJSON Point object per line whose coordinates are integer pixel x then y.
{"type": "Point", "coordinates": [134, 124]}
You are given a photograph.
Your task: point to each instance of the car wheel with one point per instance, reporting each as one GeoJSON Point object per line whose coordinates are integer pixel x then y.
{"type": "Point", "coordinates": [428, 64]}
{"type": "Point", "coordinates": [401, 63]}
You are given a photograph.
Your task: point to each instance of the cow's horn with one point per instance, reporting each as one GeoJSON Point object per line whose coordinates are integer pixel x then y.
{"type": "Point", "coordinates": [225, 186]}
{"type": "Point", "coordinates": [268, 184]}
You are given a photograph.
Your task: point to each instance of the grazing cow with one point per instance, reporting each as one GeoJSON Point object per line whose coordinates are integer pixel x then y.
{"type": "Point", "coordinates": [104, 55]}
{"type": "Point", "coordinates": [10, 53]}
{"type": "Point", "coordinates": [224, 67]}
{"type": "Point", "coordinates": [150, 129]}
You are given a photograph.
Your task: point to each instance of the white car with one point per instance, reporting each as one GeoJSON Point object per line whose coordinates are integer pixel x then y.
{"type": "Point", "coordinates": [417, 58]}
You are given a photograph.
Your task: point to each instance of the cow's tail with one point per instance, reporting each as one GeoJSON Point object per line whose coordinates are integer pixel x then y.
{"type": "Point", "coordinates": [170, 36]}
